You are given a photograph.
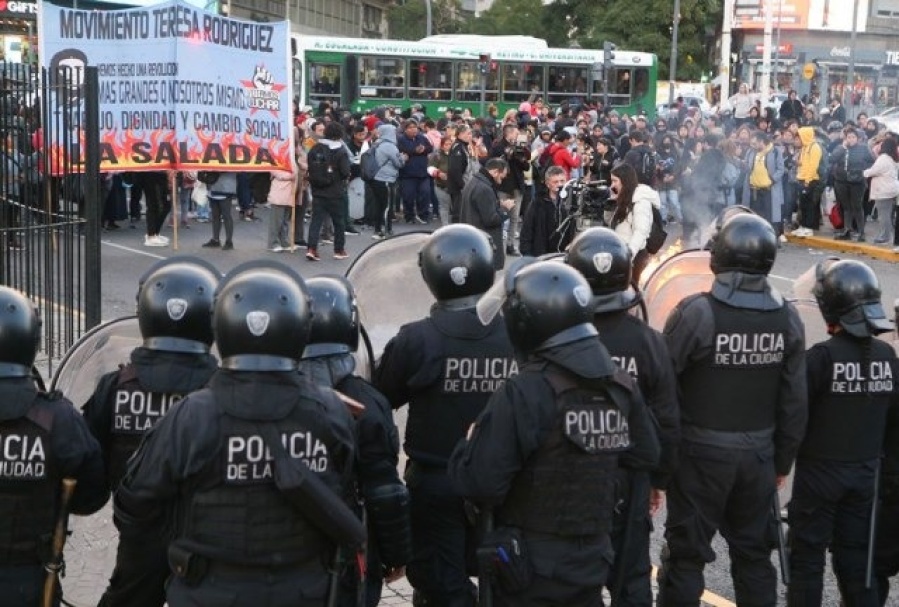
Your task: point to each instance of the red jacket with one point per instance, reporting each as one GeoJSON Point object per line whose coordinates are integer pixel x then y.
{"type": "Point", "coordinates": [562, 157]}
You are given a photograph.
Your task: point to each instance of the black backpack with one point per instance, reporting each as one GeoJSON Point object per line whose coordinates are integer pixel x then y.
{"type": "Point", "coordinates": [646, 173]}
{"type": "Point", "coordinates": [322, 172]}
{"type": "Point", "coordinates": [208, 177]}
{"type": "Point", "coordinates": [368, 164]}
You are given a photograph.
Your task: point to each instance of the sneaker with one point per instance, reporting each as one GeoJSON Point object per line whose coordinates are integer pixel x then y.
{"type": "Point", "coordinates": [351, 232]}
{"type": "Point", "coordinates": [842, 236]}
{"type": "Point", "coordinates": [421, 221]}
{"type": "Point", "coordinates": [249, 217]}
{"type": "Point", "coordinates": [860, 238]}
{"type": "Point", "coordinates": [228, 246]}
{"type": "Point", "coordinates": [185, 226]}
{"type": "Point", "coordinates": [202, 220]}
{"type": "Point", "coordinates": [300, 243]}
{"type": "Point", "coordinates": [895, 249]}
{"type": "Point", "coordinates": [880, 241]}
{"type": "Point", "coordinates": [162, 239]}
{"type": "Point", "coordinates": [277, 249]}
{"type": "Point", "coordinates": [212, 243]}
{"type": "Point", "coordinates": [312, 255]}
{"type": "Point", "coordinates": [326, 241]}
{"type": "Point", "coordinates": [340, 255]}
{"type": "Point", "coordinates": [783, 238]}
{"type": "Point", "coordinates": [112, 226]}
{"type": "Point", "coordinates": [154, 241]}
{"type": "Point", "coordinates": [377, 236]}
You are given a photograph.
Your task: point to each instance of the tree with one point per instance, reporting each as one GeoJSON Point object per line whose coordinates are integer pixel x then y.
{"type": "Point", "coordinates": [407, 20]}
{"type": "Point", "coordinates": [510, 17]}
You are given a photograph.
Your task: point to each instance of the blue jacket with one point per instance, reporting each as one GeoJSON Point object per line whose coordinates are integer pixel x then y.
{"type": "Point", "coordinates": [417, 164]}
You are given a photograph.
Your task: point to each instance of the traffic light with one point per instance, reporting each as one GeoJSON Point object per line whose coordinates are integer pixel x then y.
{"type": "Point", "coordinates": [608, 53]}
{"type": "Point", "coordinates": [484, 63]}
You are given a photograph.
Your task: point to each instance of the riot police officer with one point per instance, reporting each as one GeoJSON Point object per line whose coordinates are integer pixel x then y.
{"type": "Point", "coordinates": [739, 356]}
{"type": "Point", "coordinates": [445, 367]}
{"type": "Point", "coordinates": [43, 439]}
{"type": "Point", "coordinates": [886, 555]}
{"type": "Point", "coordinates": [851, 387]}
{"type": "Point", "coordinates": [546, 449]}
{"type": "Point", "coordinates": [174, 311]}
{"type": "Point", "coordinates": [255, 468]}
{"type": "Point", "coordinates": [604, 259]}
{"type": "Point", "coordinates": [328, 361]}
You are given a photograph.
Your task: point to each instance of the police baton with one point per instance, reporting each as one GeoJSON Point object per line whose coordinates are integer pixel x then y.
{"type": "Point", "coordinates": [56, 562]}
{"type": "Point", "coordinates": [781, 539]}
{"type": "Point", "coordinates": [485, 590]}
{"type": "Point", "coordinates": [872, 529]}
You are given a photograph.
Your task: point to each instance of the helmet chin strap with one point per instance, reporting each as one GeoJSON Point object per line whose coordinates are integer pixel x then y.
{"type": "Point", "coordinates": [10, 370]}
{"type": "Point", "coordinates": [176, 344]}
{"type": "Point", "coordinates": [258, 362]}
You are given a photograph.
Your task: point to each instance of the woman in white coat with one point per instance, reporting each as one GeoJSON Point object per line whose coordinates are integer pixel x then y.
{"type": "Point", "coordinates": [884, 174]}
{"type": "Point", "coordinates": [632, 217]}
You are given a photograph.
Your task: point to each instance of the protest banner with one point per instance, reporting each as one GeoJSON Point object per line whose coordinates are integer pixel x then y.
{"type": "Point", "coordinates": [179, 88]}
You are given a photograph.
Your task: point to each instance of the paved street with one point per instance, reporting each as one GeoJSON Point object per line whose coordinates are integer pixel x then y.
{"type": "Point", "coordinates": [92, 547]}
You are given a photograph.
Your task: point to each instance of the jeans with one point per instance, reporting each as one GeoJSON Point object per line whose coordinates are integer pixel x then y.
{"type": "Point", "coordinates": [279, 226]}
{"type": "Point", "coordinates": [885, 208]}
{"type": "Point", "coordinates": [221, 211]}
{"type": "Point", "coordinates": [671, 205]}
{"type": "Point", "coordinates": [849, 197]}
{"type": "Point", "coordinates": [416, 192]}
{"type": "Point", "coordinates": [323, 208]}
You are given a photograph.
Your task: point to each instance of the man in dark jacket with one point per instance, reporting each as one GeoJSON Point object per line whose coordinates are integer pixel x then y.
{"type": "Point", "coordinates": [791, 108]}
{"type": "Point", "coordinates": [327, 197]}
{"type": "Point", "coordinates": [546, 227]}
{"type": "Point", "coordinates": [481, 207]}
{"type": "Point", "coordinates": [459, 157]}
{"type": "Point", "coordinates": [415, 183]}
{"type": "Point", "coordinates": [518, 156]}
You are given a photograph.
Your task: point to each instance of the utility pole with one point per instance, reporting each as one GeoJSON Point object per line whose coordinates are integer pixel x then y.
{"type": "Point", "coordinates": [849, 88]}
{"type": "Point", "coordinates": [672, 69]}
{"type": "Point", "coordinates": [428, 19]}
{"type": "Point", "coordinates": [726, 28]}
{"type": "Point", "coordinates": [780, 6]}
{"type": "Point", "coordinates": [765, 88]}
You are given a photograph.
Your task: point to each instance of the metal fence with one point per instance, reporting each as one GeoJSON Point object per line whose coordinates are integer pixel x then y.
{"type": "Point", "coordinates": [49, 198]}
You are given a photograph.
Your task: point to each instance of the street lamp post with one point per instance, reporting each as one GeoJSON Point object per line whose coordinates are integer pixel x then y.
{"type": "Point", "coordinates": [428, 20]}
{"type": "Point", "coordinates": [850, 74]}
{"type": "Point", "coordinates": [672, 70]}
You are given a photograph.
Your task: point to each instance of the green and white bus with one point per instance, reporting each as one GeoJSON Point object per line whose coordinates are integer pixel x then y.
{"type": "Point", "coordinates": [363, 73]}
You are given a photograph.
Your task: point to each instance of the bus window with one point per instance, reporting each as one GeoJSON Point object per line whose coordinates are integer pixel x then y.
{"type": "Point", "coordinates": [566, 83]}
{"type": "Point", "coordinates": [468, 82]}
{"type": "Point", "coordinates": [430, 79]}
{"type": "Point", "coordinates": [521, 81]}
{"type": "Point", "coordinates": [641, 82]}
{"type": "Point", "coordinates": [324, 82]}
{"type": "Point", "coordinates": [382, 77]}
{"type": "Point", "coordinates": [620, 86]}
{"type": "Point", "coordinates": [297, 75]}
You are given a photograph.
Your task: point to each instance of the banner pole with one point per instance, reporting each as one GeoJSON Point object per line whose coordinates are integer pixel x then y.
{"type": "Point", "coordinates": [176, 204]}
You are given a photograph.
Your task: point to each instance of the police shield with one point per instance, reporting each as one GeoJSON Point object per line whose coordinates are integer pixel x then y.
{"type": "Point", "coordinates": [390, 292]}
{"type": "Point", "coordinates": [677, 277]}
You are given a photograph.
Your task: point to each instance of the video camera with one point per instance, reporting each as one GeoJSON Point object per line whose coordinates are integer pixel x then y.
{"type": "Point", "coordinates": [589, 201]}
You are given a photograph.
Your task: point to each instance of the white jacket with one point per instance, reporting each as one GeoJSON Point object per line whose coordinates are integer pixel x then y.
{"type": "Point", "coordinates": [635, 229]}
{"type": "Point", "coordinates": [884, 175]}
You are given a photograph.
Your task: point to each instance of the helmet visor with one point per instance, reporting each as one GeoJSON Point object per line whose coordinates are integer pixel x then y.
{"type": "Point", "coordinates": [491, 303]}
{"type": "Point", "coordinates": [866, 320]}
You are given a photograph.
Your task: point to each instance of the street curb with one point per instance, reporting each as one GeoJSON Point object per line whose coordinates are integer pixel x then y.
{"type": "Point", "coordinates": [845, 246]}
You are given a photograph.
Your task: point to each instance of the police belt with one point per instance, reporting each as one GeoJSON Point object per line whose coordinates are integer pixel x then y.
{"type": "Point", "coordinates": [743, 441]}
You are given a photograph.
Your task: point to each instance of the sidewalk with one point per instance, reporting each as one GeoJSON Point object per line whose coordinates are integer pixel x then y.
{"type": "Point", "coordinates": [823, 239]}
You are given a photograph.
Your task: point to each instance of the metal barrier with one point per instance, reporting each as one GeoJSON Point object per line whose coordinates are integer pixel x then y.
{"type": "Point", "coordinates": [49, 198]}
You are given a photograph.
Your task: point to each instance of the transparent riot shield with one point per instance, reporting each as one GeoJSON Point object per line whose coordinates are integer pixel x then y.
{"type": "Point", "coordinates": [97, 353]}
{"type": "Point", "coordinates": [390, 292]}
{"type": "Point", "coordinates": [677, 277]}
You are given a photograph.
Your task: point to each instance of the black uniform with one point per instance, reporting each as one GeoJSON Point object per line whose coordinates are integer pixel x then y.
{"type": "Point", "coordinates": [546, 451]}
{"type": "Point", "coordinates": [739, 356]}
{"type": "Point", "coordinates": [446, 367]}
{"type": "Point", "coordinates": [837, 464]}
{"type": "Point", "coordinates": [886, 555]}
{"type": "Point", "coordinates": [641, 351]}
{"type": "Point", "coordinates": [126, 404]}
{"type": "Point", "coordinates": [208, 463]}
{"type": "Point", "coordinates": [377, 457]}
{"type": "Point", "coordinates": [42, 441]}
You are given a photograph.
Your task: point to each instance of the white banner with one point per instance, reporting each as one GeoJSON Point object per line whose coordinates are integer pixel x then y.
{"type": "Point", "coordinates": [180, 88]}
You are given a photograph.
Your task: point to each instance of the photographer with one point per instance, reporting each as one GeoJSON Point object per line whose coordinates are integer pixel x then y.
{"type": "Point", "coordinates": [546, 227]}
{"type": "Point", "coordinates": [517, 155]}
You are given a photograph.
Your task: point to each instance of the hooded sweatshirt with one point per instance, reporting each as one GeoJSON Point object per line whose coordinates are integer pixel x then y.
{"type": "Point", "coordinates": [809, 157]}
{"type": "Point", "coordinates": [387, 155]}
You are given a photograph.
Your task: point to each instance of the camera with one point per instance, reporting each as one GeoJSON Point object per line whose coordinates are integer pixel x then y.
{"type": "Point", "coordinates": [590, 200]}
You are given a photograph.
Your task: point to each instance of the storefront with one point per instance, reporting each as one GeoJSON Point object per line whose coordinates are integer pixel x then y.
{"type": "Point", "coordinates": [18, 31]}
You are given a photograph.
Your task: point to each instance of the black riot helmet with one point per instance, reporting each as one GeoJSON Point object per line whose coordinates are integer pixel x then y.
{"type": "Point", "coordinates": [548, 305]}
{"type": "Point", "coordinates": [174, 305]}
{"type": "Point", "coordinates": [726, 214]}
{"type": "Point", "coordinates": [457, 262]}
{"type": "Point", "coordinates": [746, 243]}
{"type": "Point", "coordinates": [261, 318]}
{"type": "Point", "coordinates": [604, 259]}
{"type": "Point", "coordinates": [335, 321]}
{"type": "Point", "coordinates": [848, 294]}
{"type": "Point", "coordinates": [20, 333]}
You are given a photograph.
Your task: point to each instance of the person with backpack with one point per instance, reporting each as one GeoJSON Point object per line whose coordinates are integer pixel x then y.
{"type": "Point", "coordinates": [632, 216]}
{"type": "Point", "coordinates": [388, 161]}
{"type": "Point", "coordinates": [811, 173]}
{"type": "Point", "coordinates": [559, 154]}
{"type": "Point", "coordinates": [642, 157]}
{"type": "Point", "coordinates": [329, 169]}
{"type": "Point", "coordinates": [763, 182]}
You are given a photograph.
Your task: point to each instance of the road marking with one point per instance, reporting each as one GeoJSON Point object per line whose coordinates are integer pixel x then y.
{"type": "Point", "coordinates": [783, 278]}
{"type": "Point", "coordinates": [710, 598]}
{"type": "Point", "coordinates": [130, 250]}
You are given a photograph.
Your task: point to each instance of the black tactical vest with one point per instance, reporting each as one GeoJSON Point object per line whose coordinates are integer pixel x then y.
{"type": "Point", "coordinates": [735, 387]}
{"type": "Point", "coordinates": [847, 424]}
{"type": "Point", "coordinates": [237, 515]}
{"type": "Point", "coordinates": [567, 487]}
{"type": "Point", "coordinates": [29, 483]}
{"type": "Point", "coordinates": [471, 371]}
{"type": "Point", "coordinates": [134, 411]}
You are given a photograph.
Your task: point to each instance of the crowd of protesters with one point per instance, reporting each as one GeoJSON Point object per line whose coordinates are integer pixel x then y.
{"type": "Point", "coordinates": [792, 166]}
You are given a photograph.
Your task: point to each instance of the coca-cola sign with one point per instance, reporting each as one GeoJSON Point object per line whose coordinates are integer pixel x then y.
{"type": "Point", "coordinates": [841, 51]}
